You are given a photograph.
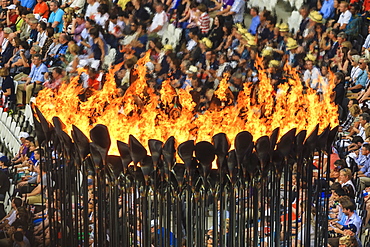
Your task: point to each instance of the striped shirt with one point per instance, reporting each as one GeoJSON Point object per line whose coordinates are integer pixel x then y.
{"type": "Point", "coordinates": [203, 23]}
{"type": "Point", "coordinates": [367, 42]}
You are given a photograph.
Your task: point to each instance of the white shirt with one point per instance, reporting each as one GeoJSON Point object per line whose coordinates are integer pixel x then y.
{"type": "Point", "coordinates": [92, 9]}
{"type": "Point", "coordinates": [361, 133]}
{"type": "Point", "coordinates": [101, 19]}
{"type": "Point", "coordinates": [4, 45]}
{"type": "Point", "coordinates": [349, 182]}
{"type": "Point", "coordinates": [12, 217]}
{"type": "Point", "coordinates": [79, 4]}
{"type": "Point", "coordinates": [238, 7]}
{"type": "Point", "coordinates": [344, 17]}
{"type": "Point", "coordinates": [311, 77]}
{"type": "Point", "coordinates": [355, 220]}
{"type": "Point", "coordinates": [41, 38]}
{"type": "Point", "coordinates": [190, 45]}
{"type": "Point", "coordinates": [160, 19]}
{"type": "Point", "coordinates": [367, 42]}
{"type": "Point", "coordinates": [116, 28]}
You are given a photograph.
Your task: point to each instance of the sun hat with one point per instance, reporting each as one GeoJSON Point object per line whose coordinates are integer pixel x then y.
{"type": "Point", "coordinates": [284, 27]}
{"type": "Point", "coordinates": [12, 6]}
{"type": "Point", "coordinates": [315, 16]}
{"type": "Point", "coordinates": [207, 42]}
{"type": "Point", "coordinates": [251, 43]}
{"type": "Point", "coordinates": [268, 51]}
{"type": "Point", "coordinates": [310, 57]}
{"type": "Point", "coordinates": [192, 70]}
{"type": "Point", "coordinates": [167, 47]}
{"type": "Point", "coordinates": [274, 64]}
{"type": "Point", "coordinates": [291, 44]}
{"type": "Point", "coordinates": [23, 135]}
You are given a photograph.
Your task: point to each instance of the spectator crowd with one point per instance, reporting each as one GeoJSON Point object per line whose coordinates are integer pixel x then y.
{"type": "Point", "coordinates": [45, 45]}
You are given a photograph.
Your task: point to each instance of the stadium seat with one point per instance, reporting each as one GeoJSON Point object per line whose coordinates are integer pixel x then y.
{"type": "Point", "coordinates": [8, 122]}
{"type": "Point", "coordinates": [15, 86]}
{"type": "Point", "coordinates": [17, 131]}
{"type": "Point", "coordinates": [4, 117]}
{"type": "Point", "coordinates": [12, 126]}
{"type": "Point", "coordinates": [28, 114]}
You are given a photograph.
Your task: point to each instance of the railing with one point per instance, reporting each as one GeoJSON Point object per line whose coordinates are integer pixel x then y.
{"type": "Point", "coordinates": [265, 193]}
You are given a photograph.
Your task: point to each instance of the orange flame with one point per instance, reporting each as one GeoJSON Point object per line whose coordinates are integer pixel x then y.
{"type": "Point", "coordinates": [145, 115]}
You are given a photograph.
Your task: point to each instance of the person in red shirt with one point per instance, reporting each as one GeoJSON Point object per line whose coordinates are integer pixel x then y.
{"type": "Point", "coordinates": [366, 5]}
{"type": "Point", "coordinates": [55, 81]}
{"type": "Point", "coordinates": [11, 16]}
{"type": "Point", "coordinates": [41, 9]}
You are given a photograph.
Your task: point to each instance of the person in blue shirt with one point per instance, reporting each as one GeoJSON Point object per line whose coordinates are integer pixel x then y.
{"type": "Point", "coordinates": [29, 4]}
{"type": "Point", "coordinates": [255, 21]}
{"type": "Point", "coordinates": [33, 83]}
{"type": "Point", "coordinates": [360, 81]}
{"type": "Point", "coordinates": [364, 173]}
{"type": "Point", "coordinates": [56, 17]}
{"type": "Point", "coordinates": [327, 9]}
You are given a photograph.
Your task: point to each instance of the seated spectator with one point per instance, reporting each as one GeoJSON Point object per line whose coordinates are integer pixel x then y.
{"type": "Point", "coordinates": [159, 22]}
{"type": "Point", "coordinates": [41, 10]}
{"type": "Point", "coordinates": [345, 179]}
{"type": "Point", "coordinates": [55, 81]}
{"type": "Point", "coordinates": [327, 9]}
{"type": "Point", "coordinates": [48, 43]}
{"type": "Point", "coordinates": [29, 183]}
{"type": "Point", "coordinates": [29, 4]}
{"type": "Point", "coordinates": [360, 82]}
{"type": "Point", "coordinates": [41, 34]}
{"type": "Point", "coordinates": [20, 61]}
{"type": "Point", "coordinates": [32, 83]}
{"type": "Point", "coordinates": [22, 149]}
{"type": "Point", "coordinates": [353, 29]}
{"type": "Point", "coordinates": [7, 47]}
{"type": "Point", "coordinates": [11, 16]}
{"type": "Point", "coordinates": [57, 51]}
{"type": "Point", "coordinates": [345, 16]}
{"type": "Point", "coordinates": [33, 31]}
{"type": "Point", "coordinates": [101, 18]}
{"type": "Point", "coordinates": [78, 25]}
{"type": "Point", "coordinates": [20, 240]}
{"type": "Point", "coordinates": [355, 71]}
{"type": "Point", "coordinates": [56, 17]}
{"type": "Point", "coordinates": [255, 20]}
{"type": "Point", "coordinates": [364, 173]}
{"type": "Point", "coordinates": [92, 8]}
{"type": "Point", "coordinates": [311, 75]}
{"type": "Point", "coordinates": [12, 215]}
{"type": "Point", "coordinates": [36, 195]}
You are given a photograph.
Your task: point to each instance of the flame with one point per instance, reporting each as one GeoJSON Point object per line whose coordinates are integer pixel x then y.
{"type": "Point", "coordinates": [147, 115]}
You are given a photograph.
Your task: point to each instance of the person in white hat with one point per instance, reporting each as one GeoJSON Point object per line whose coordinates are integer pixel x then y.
{"type": "Point", "coordinates": [11, 16]}
{"type": "Point", "coordinates": [18, 157]}
{"type": "Point", "coordinates": [190, 73]}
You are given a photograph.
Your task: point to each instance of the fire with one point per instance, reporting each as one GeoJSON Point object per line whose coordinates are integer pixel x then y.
{"type": "Point", "coordinates": [147, 115]}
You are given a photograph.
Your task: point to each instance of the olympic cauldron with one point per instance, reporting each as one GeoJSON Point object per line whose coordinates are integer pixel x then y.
{"type": "Point", "coordinates": [249, 190]}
